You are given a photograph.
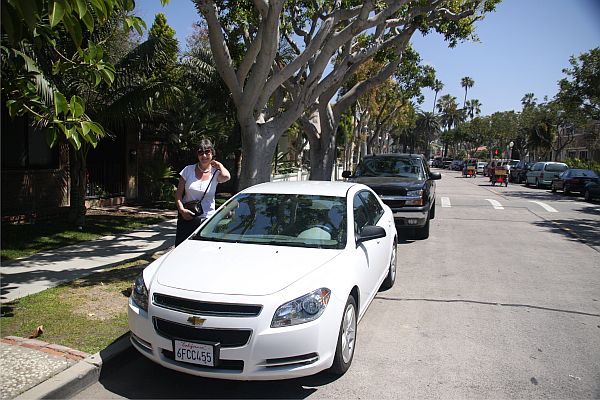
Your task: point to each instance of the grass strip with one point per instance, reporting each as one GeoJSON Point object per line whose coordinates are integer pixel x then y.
{"type": "Point", "coordinates": [87, 314]}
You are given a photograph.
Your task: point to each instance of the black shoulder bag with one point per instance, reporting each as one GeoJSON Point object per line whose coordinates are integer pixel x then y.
{"type": "Point", "coordinates": [195, 206]}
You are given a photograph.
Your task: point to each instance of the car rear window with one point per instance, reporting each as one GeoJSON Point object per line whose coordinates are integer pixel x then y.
{"type": "Point", "coordinates": [556, 167]}
{"type": "Point", "coordinates": [588, 173]}
{"type": "Point", "coordinates": [388, 166]}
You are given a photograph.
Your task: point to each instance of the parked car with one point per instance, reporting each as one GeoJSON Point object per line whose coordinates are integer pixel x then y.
{"type": "Point", "coordinates": [405, 183]}
{"type": "Point", "coordinates": [481, 167]}
{"type": "Point", "coordinates": [573, 180]}
{"type": "Point", "coordinates": [510, 164]}
{"type": "Point", "coordinates": [542, 173]}
{"type": "Point", "coordinates": [591, 190]}
{"type": "Point", "coordinates": [457, 165]}
{"type": "Point", "coordinates": [519, 171]}
{"type": "Point", "coordinates": [271, 286]}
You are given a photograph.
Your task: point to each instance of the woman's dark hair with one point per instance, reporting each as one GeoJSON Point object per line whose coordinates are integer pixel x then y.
{"type": "Point", "coordinates": [206, 144]}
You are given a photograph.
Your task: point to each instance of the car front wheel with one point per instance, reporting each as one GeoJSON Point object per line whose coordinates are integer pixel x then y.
{"type": "Point", "coordinates": [391, 276]}
{"type": "Point", "coordinates": [587, 196]}
{"type": "Point", "coordinates": [344, 352]}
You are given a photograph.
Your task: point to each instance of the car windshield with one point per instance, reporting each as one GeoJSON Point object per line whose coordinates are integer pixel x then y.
{"type": "Point", "coordinates": [280, 219]}
{"type": "Point", "coordinates": [388, 166]}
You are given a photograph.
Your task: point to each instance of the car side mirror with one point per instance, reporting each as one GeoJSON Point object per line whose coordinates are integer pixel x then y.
{"type": "Point", "coordinates": [346, 174]}
{"type": "Point", "coordinates": [435, 175]}
{"type": "Point", "coordinates": [370, 232]}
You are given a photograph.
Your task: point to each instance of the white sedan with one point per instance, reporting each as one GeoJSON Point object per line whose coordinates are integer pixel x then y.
{"type": "Point", "coordinates": [271, 287]}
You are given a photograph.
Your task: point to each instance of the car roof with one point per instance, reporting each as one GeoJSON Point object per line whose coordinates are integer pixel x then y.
{"type": "Point", "coordinates": [323, 188]}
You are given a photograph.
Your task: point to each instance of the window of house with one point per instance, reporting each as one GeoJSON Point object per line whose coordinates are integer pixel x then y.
{"type": "Point", "coordinates": [583, 155]}
{"type": "Point", "coordinates": [24, 147]}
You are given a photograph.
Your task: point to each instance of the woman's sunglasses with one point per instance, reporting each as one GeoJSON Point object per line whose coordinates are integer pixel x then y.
{"type": "Point", "coordinates": [204, 152]}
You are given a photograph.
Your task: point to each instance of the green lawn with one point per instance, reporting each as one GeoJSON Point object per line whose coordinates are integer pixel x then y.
{"type": "Point", "coordinates": [23, 240]}
{"type": "Point", "coordinates": [87, 314]}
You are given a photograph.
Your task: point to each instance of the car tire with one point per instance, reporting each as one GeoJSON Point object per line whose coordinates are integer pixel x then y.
{"type": "Point", "coordinates": [537, 184]}
{"type": "Point", "coordinates": [553, 188]}
{"type": "Point", "coordinates": [389, 280]}
{"type": "Point", "coordinates": [526, 182]}
{"type": "Point", "coordinates": [432, 211]}
{"type": "Point", "coordinates": [587, 196]}
{"type": "Point", "coordinates": [566, 189]}
{"type": "Point", "coordinates": [344, 351]}
{"type": "Point", "coordinates": [422, 233]}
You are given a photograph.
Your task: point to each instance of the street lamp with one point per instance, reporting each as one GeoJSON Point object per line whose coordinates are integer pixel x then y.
{"type": "Point", "coordinates": [510, 146]}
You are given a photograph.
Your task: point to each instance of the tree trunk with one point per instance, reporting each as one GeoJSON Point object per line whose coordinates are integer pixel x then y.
{"type": "Point", "coordinates": [258, 147]}
{"type": "Point", "coordinates": [78, 174]}
{"type": "Point", "coordinates": [321, 130]}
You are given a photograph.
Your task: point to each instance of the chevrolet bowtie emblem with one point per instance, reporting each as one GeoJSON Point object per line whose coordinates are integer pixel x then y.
{"type": "Point", "coordinates": [196, 320]}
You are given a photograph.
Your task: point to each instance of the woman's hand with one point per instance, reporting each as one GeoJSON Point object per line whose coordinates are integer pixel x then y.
{"type": "Point", "coordinates": [216, 165]}
{"type": "Point", "coordinates": [187, 214]}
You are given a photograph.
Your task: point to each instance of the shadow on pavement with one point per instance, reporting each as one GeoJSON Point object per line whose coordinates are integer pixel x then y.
{"type": "Point", "coordinates": [146, 379]}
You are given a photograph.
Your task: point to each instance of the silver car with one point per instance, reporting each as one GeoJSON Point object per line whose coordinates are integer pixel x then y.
{"type": "Point", "coordinates": [542, 173]}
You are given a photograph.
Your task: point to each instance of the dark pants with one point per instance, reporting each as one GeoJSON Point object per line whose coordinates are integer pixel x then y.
{"type": "Point", "coordinates": [185, 228]}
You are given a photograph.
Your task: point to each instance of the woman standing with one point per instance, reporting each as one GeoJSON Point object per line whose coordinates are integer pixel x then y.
{"type": "Point", "coordinates": [195, 197]}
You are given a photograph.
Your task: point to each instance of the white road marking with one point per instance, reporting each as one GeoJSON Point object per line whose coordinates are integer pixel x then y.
{"type": "Point", "coordinates": [544, 206]}
{"type": "Point", "coordinates": [496, 204]}
{"type": "Point", "coordinates": [446, 202]}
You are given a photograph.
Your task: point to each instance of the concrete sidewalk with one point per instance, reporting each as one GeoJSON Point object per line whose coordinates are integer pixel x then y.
{"type": "Point", "coordinates": [33, 369]}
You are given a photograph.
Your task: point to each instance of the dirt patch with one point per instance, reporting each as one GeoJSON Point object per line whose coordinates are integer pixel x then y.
{"type": "Point", "coordinates": [103, 295]}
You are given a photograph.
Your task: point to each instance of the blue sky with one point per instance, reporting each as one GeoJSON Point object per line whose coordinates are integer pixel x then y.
{"type": "Point", "coordinates": [523, 48]}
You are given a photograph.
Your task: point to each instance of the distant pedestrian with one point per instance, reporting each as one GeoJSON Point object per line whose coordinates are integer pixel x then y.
{"type": "Point", "coordinates": [195, 197]}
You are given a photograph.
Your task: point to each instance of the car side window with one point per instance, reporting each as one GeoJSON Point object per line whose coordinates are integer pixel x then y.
{"type": "Point", "coordinates": [361, 216]}
{"type": "Point", "coordinates": [373, 208]}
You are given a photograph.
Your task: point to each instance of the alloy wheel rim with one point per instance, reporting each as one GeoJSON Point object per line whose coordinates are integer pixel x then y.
{"type": "Point", "coordinates": [348, 333]}
{"type": "Point", "coordinates": [393, 263]}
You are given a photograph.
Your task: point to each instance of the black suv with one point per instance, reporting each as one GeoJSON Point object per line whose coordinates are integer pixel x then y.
{"type": "Point", "coordinates": [405, 183]}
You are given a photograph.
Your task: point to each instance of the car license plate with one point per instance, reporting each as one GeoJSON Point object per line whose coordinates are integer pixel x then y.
{"type": "Point", "coordinates": [196, 353]}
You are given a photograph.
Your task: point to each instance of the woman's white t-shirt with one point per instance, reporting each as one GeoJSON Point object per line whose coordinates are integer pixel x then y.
{"type": "Point", "coordinates": [194, 188]}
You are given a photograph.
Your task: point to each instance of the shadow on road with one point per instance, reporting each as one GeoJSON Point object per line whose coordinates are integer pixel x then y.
{"type": "Point", "coordinates": [145, 379]}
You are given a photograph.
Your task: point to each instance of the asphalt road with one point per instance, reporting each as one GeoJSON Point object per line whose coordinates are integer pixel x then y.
{"type": "Point", "coordinates": [502, 301]}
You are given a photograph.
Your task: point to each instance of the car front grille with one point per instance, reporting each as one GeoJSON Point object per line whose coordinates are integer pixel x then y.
{"type": "Point", "coordinates": [206, 308]}
{"type": "Point", "coordinates": [226, 337]}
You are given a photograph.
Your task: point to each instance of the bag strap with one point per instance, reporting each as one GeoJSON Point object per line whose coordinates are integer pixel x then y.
{"type": "Point", "coordinates": [209, 182]}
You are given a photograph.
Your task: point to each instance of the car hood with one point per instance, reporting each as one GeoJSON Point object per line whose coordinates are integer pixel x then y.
{"type": "Point", "coordinates": [238, 269]}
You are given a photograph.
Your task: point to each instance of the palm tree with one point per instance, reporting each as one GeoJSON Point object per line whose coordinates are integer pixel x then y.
{"type": "Point", "coordinates": [467, 83]}
{"type": "Point", "coordinates": [428, 124]}
{"type": "Point", "coordinates": [437, 87]}
{"type": "Point", "coordinates": [473, 108]}
{"type": "Point", "coordinates": [528, 100]}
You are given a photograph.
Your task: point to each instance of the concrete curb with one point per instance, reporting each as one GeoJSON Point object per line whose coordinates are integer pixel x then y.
{"type": "Point", "coordinates": [78, 377]}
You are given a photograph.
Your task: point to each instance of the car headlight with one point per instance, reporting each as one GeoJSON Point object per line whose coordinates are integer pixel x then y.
{"type": "Point", "coordinates": [303, 309]}
{"type": "Point", "coordinates": [418, 194]}
{"type": "Point", "coordinates": [139, 292]}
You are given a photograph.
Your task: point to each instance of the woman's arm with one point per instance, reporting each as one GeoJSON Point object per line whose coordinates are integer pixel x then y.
{"type": "Point", "coordinates": [224, 176]}
{"type": "Point", "coordinates": [186, 214]}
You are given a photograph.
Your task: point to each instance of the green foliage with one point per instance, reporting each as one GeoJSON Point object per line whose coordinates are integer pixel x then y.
{"type": "Point", "coordinates": [34, 53]}
{"type": "Point", "coordinates": [158, 180]}
{"type": "Point", "coordinates": [579, 93]}
{"type": "Point", "coordinates": [583, 164]}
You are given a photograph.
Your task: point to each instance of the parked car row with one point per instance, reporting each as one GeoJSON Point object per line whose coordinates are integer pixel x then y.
{"type": "Point", "coordinates": [557, 176]}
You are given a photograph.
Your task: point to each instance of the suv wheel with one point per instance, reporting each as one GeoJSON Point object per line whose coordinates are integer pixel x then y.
{"type": "Point", "coordinates": [422, 233]}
